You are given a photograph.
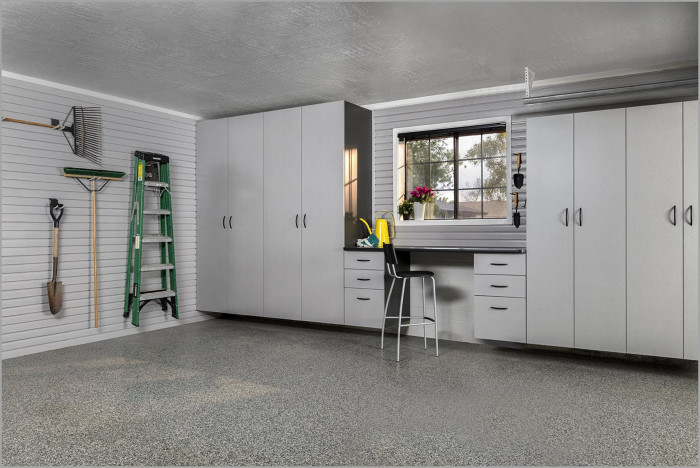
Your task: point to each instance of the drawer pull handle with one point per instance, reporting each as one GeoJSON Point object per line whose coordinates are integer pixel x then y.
{"type": "Point", "coordinates": [363, 260]}
{"type": "Point", "coordinates": [363, 279]}
{"type": "Point", "coordinates": [499, 264]}
{"type": "Point", "coordinates": [363, 298]}
{"type": "Point", "coordinates": [499, 308]}
{"type": "Point", "coordinates": [499, 286]}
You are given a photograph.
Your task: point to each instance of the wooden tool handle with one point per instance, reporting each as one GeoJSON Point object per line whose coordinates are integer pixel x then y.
{"type": "Point", "coordinates": [94, 245]}
{"type": "Point", "coordinates": [55, 242]}
{"type": "Point", "coordinates": [27, 122]}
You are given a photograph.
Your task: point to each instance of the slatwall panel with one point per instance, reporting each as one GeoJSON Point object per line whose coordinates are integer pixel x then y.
{"type": "Point", "coordinates": [482, 107]}
{"type": "Point", "coordinates": [32, 159]}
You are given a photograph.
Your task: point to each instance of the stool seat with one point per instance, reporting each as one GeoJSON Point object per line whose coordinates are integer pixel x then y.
{"type": "Point", "coordinates": [415, 274]}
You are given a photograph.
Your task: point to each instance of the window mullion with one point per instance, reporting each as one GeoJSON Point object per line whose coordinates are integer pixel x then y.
{"type": "Point", "coordinates": [455, 152]}
{"type": "Point", "coordinates": [481, 155]}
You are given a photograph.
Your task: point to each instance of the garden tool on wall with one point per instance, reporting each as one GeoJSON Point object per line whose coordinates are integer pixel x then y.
{"type": "Point", "coordinates": [85, 131]}
{"type": "Point", "coordinates": [519, 179]}
{"type": "Point", "coordinates": [55, 288]}
{"type": "Point", "coordinates": [516, 215]}
{"type": "Point", "coordinates": [93, 175]}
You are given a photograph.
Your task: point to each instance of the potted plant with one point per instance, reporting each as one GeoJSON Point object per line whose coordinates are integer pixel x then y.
{"type": "Point", "coordinates": [420, 197]}
{"type": "Point", "coordinates": [406, 209]}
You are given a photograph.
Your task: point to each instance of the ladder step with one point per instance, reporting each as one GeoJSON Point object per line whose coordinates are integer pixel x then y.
{"type": "Point", "coordinates": [149, 183]}
{"type": "Point", "coordinates": [156, 212]}
{"type": "Point", "coordinates": [149, 295]}
{"type": "Point", "coordinates": [156, 238]}
{"type": "Point", "coordinates": [157, 267]}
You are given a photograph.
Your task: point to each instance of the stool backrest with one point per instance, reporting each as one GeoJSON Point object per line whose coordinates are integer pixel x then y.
{"type": "Point", "coordinates": [390, 259]}
{"type": "Point", "coordinates": [390, 254]}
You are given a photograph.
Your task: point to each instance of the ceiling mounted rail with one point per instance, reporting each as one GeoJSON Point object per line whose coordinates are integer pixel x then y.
{"type": "Point", "coordinates": [663, 85]}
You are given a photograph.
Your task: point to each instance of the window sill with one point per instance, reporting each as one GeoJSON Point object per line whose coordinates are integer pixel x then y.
{"type": "Point", "coordinates": [453, 222]}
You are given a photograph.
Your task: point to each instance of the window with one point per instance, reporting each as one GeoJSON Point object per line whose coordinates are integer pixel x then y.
{"type": "Point", "coordinates": [467, 167]}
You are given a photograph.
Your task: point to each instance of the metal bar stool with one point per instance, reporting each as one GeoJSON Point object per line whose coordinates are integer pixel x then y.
{"type": "Point", "coordinates": [391, 262]}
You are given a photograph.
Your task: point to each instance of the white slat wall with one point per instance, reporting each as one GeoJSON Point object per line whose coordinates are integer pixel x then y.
{"type": "Point", "coordinates": [32, 159]}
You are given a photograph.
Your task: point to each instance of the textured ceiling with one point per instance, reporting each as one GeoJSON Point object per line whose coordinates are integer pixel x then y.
{"type": "Point", "coordinates": [221, 58]}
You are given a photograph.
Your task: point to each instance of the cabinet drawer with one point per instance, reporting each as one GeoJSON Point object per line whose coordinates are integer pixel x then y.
{"type": "Point", "coordinates": [364, 260]}
{"type": "Point", "coordinates": [499, 264]}
{"type": "Point", "coordinates": [499, 318]}
{"type": "Point", "coordinates": [364, 279]}
{"type": "Point", "coordinates": [364, 307]}
{"type": "Point", "coordinates": [499, 285]}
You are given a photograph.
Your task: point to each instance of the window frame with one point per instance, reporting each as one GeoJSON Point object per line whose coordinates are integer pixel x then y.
{"type": "Point", "coordinates": [451, 126]}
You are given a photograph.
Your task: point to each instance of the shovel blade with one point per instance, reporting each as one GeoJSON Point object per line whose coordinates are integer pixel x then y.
{"type": "Point", "coordinates": [55, 290]}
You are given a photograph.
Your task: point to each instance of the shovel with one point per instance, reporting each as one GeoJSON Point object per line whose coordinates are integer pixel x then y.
{"type": "Point", "coordinates": [55, 288]}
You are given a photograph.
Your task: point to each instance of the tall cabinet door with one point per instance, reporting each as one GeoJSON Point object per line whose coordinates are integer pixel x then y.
{"type": "Point", "coordinates": [282, 223]}
{"type": "Point", "coordinates": [600, 292]}
{"type": "Point", "coordinates": [655, 230]}
{"type": "Point", "coordinates": [550, 231]}
{"type": "Point", "coordinates": [245, 244]}
{"type": "Point", "coordinates": [322, 207]}
{"type": "Point", "coordinates": [212, 214]}
{"type": "Point", "coordinates": [690, 226]}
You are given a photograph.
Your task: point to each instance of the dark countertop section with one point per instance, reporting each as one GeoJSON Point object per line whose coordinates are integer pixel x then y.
{"type": "Point", "coordinates": [504, 250]}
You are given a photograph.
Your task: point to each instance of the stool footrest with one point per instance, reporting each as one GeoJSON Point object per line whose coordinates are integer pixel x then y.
{"type": "Point", "coordinates": [409, 317]}
{"type": "Point", "coordinates": [429, 322]}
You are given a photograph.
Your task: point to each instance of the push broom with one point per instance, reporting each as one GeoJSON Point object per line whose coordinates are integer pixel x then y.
{"type": "Point", "coordinates": [85, 131]}
{"type": "Point", "coordinates": [93, 175]}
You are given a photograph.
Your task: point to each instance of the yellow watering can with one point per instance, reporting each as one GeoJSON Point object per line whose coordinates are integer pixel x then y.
{"type": "Point", "coordinates": [381, 230]}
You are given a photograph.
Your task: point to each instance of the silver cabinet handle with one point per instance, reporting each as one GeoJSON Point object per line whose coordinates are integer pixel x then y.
{"type": "Point", "coordinates": [223, 221]}
{"type": "Point", "coordinates": [690, 210]}
{"type": "Point", "coordinates": [499, 264]}
{"type": "Point", "coordinates": [363, 279]}
{"type": "Point", "coordinates": [363, 298]}
{"type": "Point", "coordinates": [362, 260]}
{"type": "Point", "coordinates": [567, 217]}
{"type": "Point", "coordinates": [229, 222]}
{"type": "Point", "coordinates": [580, 216]}
{"type": "Point", "coordinates": [499, 286]}
{"type": "Point", "coordinates": [499, 308]}
{"type": "Point", "coordinates": [296, 221]}
{"type": "Point", "coordinates": [304, 221]}
{"type": "Point", "coordinates": [674, 215]}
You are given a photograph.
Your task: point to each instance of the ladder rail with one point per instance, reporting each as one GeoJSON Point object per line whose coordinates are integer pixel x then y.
{"type": "Point", "coordinates": [167, 201]}
{"type": "Point", "coordinates": [130, 245]}
{"type": "Point", "coordinates": [138, 245]}
{"type": "Point", "coordinates": [135, 299]}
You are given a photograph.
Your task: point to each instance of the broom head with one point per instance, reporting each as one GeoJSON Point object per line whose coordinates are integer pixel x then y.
{"type": "Point", "coordinates": [82, 173]}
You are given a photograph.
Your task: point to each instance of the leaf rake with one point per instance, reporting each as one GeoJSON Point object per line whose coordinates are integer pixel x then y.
{"type": "Point", "coordinates": [85, 131]}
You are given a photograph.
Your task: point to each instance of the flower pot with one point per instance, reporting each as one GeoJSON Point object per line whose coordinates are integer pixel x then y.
{"type": "Point", "coordinates": [419, 211]}
{"type": "Point", "coordinates": [406, 216]}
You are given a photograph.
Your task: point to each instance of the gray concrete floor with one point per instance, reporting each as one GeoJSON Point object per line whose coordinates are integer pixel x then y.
{"type": "Point", "coordinates": [234, 392]}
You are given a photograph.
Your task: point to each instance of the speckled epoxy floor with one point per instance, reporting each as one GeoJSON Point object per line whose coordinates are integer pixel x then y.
{"type": "Point", "coordinates": [232, 392]}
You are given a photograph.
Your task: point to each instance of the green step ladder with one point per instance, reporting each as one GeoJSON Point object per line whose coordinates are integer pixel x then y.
{"type": "Point", "coordinates": [151, 173]}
